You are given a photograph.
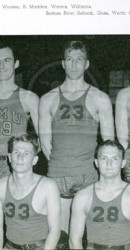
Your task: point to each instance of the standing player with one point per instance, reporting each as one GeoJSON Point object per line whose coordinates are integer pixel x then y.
{"type": "Point", "coordinates": [16, 105]}
{"type": "Point", "coordinates": [104, 205]}
{"type": "Point", "coordinates": [123, 125]}
{"type": "Point", "coordinates": [69, 117]}
{"type": "Point", "coordinates": [30, 203]}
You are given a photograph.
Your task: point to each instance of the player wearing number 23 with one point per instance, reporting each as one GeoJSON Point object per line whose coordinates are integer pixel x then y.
{"type": "Point", "coordinates": [69, 116]}
{"type": "Point", "coordinates": [105, 205]}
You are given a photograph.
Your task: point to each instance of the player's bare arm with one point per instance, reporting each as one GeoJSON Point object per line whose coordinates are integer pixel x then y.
{"type": "Point", "coordinates": [1, 226]}
{"type": "Point", "coordinates": [3, 183]}
{"type": "Point", "coordinates": [30, 102]}
{"type": "Point", "coordinates": [80, 207]}
{"type": "Point", "coordinates": [54, 215]}
{"type": "Point", "coordinates": [126, 203]}
{"type": "Point", "coordinates": [121, 118]}
{"type": "Point", "coordinates": [104, 109]}
{"type": "Point", "coordinates": [46, 104]}
{"type": "Point", "coordinates": [99, 105]}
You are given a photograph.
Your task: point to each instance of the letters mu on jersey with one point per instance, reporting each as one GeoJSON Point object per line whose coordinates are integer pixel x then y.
{"type": "Point", "coordinates": [7, 119]}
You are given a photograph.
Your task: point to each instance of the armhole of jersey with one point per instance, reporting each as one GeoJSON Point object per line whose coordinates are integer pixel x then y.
{"type": "Point", "coordinates": [17, 89]}
{"type": "Point", "coordinates": [60, 93]}
{"type": "Point", "coordinates": [125, 188]}
{"type": "Point", "coordinates": [86, 92]}
{"type": "Point", "coordinates": [34, 189]}
{"type": "Point", "coordinates": [60, 90]}
{"type": "Point", "coordinates": [93, 191]}
{"type": "Point", "coordinates": [7, 188]}
{"type": "Point", "coordinates": [27, 114]}
{"type": "Point", "coordinates": [40, 178]}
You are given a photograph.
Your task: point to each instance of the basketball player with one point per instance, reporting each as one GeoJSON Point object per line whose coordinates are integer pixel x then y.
{"type": "Point", "coordinates": [29, 203]}
{"type": "Point", "coordinates": [69, 116]}
{"type": "Point", "coordinates": [104, 205]}
{"type": "Point", "coordinates": [123, 125]}
{"type": "Point", "coordinates": [17, 105]}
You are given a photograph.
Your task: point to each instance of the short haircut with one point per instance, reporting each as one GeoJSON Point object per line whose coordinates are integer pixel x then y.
{"type": "Point", "coordinates": [112, 143]}
{"type": "Point", "coordinates": [5, 44]}
{"type": "Point", "coordinates": [74, 45]}
{"type": "Point", "coordinates": [33, 139]}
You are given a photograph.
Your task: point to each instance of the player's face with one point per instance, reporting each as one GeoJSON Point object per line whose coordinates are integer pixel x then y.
{"type": "Point", "coordinates": [75, 63]}
{"type": "Point", "coordinates": [22, 157]}
{"type": "Point", "coordinates": [110, 161]}
{"type": "Point", "coordinates": [7, 64]}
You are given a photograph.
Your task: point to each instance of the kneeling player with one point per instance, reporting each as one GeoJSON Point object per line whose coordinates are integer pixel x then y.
{"type": "Point", "coordinates": [103, 206]}
{"type": "Point", "coordinates": [29, 202]}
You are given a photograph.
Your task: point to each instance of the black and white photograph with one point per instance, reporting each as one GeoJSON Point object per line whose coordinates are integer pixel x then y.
{"type": "Point", "coordinates": [64, 141]}
{"type": "Point", "coordinates": [64, 125]}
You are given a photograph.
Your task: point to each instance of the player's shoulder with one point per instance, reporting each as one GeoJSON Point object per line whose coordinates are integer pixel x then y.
{"type": "Point", "coordinates": [28, 94]}
{"type": "Point", "coordinates": [48, 183]}
{"type": "Point", "coordinates": [127, 190]}
{"type": "Point", "coordinates": [51, 95]}
{"type": "Point", "coordinates": [98, 94]}
{"type": "Point", "coordinates": [47, 180]}
{"type": "Point", "coordinates": [126, 195]}
{"type": "Point", "coordinates": [3, 180]}
{"type": "Point", "coordinates": [84, 194]}
{"type": "Point", "coordinates": [3, 186]}
{"type": "Point", "coordinates": [49, 99]}
{"type": "Point", "coordinates": [123, 93]}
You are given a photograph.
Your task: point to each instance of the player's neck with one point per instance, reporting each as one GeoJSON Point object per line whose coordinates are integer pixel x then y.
{"type": "Point", "coordinates": [22, 179]}
{"type": "Point", "coordinates": [110, 183]}
{"type": "Point", "coordinates": [74, 85]}
{"type": "Point", "coordinates": [110, 190]}
{"type": "Point", "coordinates": [7, 88]}
{"type": "Point", "coordinates": [7, 83]}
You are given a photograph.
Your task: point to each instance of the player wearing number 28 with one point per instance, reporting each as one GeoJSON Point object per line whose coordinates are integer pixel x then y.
{"type": "Point", "coordinates": [68, 125]}
{"type": "Point", "coordinates": [105, 205]}
{"type": "Point", "coordinates": [16, 104]}
{"type": "Point", "coordinates": [29, 203]}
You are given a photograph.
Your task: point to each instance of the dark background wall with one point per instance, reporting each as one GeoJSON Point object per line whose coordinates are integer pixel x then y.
{"type": "Point", "coordinates": [40, 65]}
{"type": "Point", "coordinates": [40, 59]}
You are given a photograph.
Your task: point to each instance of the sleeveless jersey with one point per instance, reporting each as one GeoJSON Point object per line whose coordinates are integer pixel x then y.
{"type": "Point", "coordinates": [128, 111]}
{"type": "Point", "coordinates": [106, 224]}
{"type": "Point", "coordinates": [74, 136]}
{"type": "Point", "coordinates": [13, 120]}
{"type": "Point", "coordinates": [23, 224]}
{"type": "Point", "coordinates": [129, 130]}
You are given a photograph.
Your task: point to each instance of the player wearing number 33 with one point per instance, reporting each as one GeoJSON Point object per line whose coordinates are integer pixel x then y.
{"type": "Point", "coordinates": [29, 203]}
{"type": "Point", "coordinates": [105, 205]}
{"type": "Point", "coordinates": [68, 125]}
{"type": "Point", "coordinates": [17, 105]}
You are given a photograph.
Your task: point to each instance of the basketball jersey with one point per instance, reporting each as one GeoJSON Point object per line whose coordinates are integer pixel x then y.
{"type": "Point", "coordinates": [13, 120]}
{"type": "Point", "coordinates": [129, 130]}
{"type": "Point", "coordinates": [23, 224]}
{"type": "Point", "coordinates": [128, 112]}
{"type": "Point", "coordinates": [106, 224]}
{"type": "Point", "coordinates": [74, 136]}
